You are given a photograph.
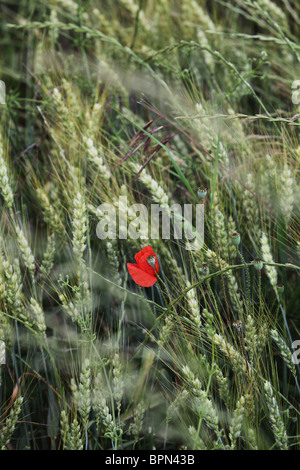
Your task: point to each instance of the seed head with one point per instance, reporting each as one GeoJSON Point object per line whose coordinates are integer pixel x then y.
{"type": "Point", "coordinates": [258, 264]}
{"type": "Point", "coordinates": [280, 288]}
{"type": "Point", "coordinates": [235, 238]}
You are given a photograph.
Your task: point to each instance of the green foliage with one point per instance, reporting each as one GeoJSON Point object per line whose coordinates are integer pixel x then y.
{"type": "Point", "coordinates": [150, 100]}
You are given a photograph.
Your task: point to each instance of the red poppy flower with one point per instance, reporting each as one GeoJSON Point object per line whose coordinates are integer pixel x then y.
{"type": "Point", "coordinates": [143, 272]}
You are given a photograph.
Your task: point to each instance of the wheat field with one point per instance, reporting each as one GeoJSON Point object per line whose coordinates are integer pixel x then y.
{"type": "Point", "coordinates": [106, 344]}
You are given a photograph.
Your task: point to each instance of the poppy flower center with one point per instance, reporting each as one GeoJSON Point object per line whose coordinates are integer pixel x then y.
{"type": "Point", "coordinates": [151, 261]}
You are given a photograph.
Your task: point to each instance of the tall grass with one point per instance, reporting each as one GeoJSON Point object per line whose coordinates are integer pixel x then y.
{"type": "Point", "coordinates": [149, 100]}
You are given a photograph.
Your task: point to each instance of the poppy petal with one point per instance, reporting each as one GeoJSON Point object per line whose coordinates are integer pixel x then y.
{"type": "Point", "coordinates": [140, 277]}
